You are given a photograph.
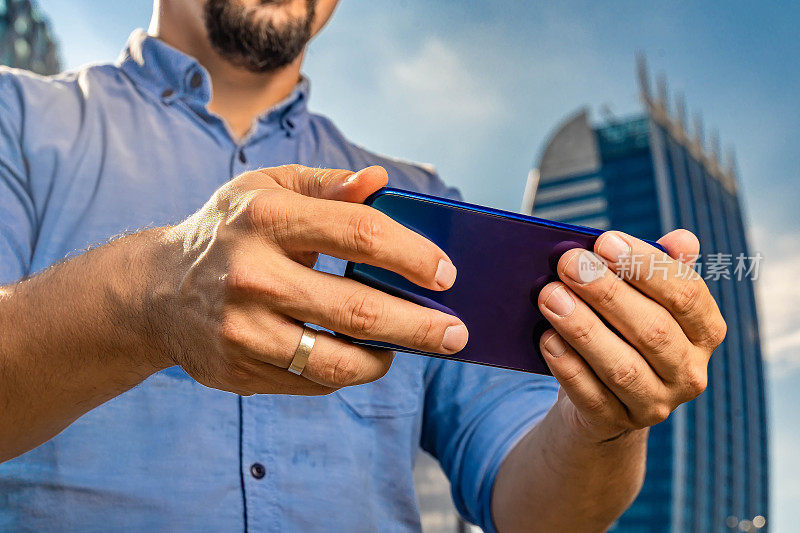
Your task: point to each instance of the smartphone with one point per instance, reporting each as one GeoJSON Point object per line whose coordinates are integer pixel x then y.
{"type": "Point", "coordinates": [503, 259]}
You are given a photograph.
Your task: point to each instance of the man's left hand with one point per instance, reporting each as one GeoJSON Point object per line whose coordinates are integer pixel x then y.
{"type": "Point", "coordinates": [667, 325]}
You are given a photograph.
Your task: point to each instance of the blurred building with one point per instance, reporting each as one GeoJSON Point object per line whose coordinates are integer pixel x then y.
{"type": "Point", "coordinates": [707, 467]}
{"type": "Point", "coordinates": [436, 509]}
{"type": "Point", "coordinates": [25, 38]}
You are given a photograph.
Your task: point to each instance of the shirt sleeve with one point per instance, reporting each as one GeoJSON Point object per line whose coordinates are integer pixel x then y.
{"type": "Point", "coordinates": [17, 215]}
{"type": "Point", "coordinates": [474, 415]}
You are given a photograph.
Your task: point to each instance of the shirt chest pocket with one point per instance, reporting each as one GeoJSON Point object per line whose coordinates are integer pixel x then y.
{"type": "Point", "coordinates": [399, 393]}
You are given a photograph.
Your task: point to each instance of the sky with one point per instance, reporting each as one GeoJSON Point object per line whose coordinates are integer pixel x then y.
{"type": "Point", "coordinates": [475, 88]}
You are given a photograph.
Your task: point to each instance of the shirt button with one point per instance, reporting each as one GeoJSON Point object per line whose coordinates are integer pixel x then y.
{"type": "Point", "coordinates": [196, 81]}
{"type": "Point", "coordinates": [257, 470]}
{"type": "Point", "coordinates": [242, 157]}
{"type": "Point", "coordinates": [167, 93]}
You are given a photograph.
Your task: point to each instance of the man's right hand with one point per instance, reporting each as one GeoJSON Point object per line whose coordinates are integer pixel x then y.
{"type": "Point", "coordinates": [237, 284]}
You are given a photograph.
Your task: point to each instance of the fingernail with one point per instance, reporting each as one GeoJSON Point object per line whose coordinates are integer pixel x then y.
{"type": "Point", "coordinates": [560, 302]}
{"type": "Point", "coordinates": [455, 338]}
{"type": "Point", "coordinates": [554, 346]}
{"type": "Point", "coordinates": [585, 267]}
{"type": "Point", "coordinates": [614, 248]}
{"type": "Point", "coordinates": [445, 274]}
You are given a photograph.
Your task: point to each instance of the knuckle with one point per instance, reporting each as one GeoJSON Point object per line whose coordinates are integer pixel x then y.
{"type": "Point", "coordinates": [596, 405]}
{"type": "Point", "coordinates": [609, 293]}
{"type": "Point", "coordinates": [262, 211]}
{"type": "Point", "coordinates": [362, 313]}
{"type": "Point", "coordinates": [423, 332]}
{"type": "Point", "coordinates": [657, 414]}
{"type": "Point", "coordinates": [584, 333]}
{"type": "Point", "coordinates": [320, 182]}
{"type": "Point", "coordinates": [233, 331]}
{"type": "Point", "coordinates": [323, 178]}
{"type": "Point", "coordinates": [657, 336]}
{"type": "Point", "coordinates": [364, 234]}
{"type": "Point", "coordinates": [251, 174]}
{"type": "Point", "coordinates": [291, 171]}
{"type": "Point", "coordinates": [276, 291]}
{"type": "Point", "coordinates": [685, 297]}
{"type": "Point", "coordinates": [570, 375]}
{"type": "Point", "coordinates": [696, 381]}
{"type": "Point", "coordinates": [243, 277]}
{"type": "Point", "coordinates": [717, 332]}
{"type": "Point", "coordinates": [344, 371]}
{"type": "Point", "coordinates": [238, 278]}
{"type": "Point", "coordinates": [294, 168]}
{"type": "Point", "coordinates": [625, 375]}
{"type": "Point", "coordinates": [250, 178]}
{"type": "Point", "coordinates": [421, 265]}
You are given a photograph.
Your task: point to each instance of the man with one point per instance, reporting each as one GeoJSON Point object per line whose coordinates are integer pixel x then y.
{"type": "Point", "coordinates": [118, 364]}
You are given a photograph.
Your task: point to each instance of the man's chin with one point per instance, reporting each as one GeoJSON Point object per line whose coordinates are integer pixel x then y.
{"type": "Point", "coordinates": [260, 38]}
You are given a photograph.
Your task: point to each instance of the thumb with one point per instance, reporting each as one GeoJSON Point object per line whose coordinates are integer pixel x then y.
{"type": "Point", "coordinates": [682, 245]}
{"type": "Point", "coordinates": [333, 184]}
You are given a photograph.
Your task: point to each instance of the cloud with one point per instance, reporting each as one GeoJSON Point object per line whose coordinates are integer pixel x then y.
{"type": "Point", "coordinates": [437, 84]}
{"type": "Point", "coordinates": [778, 292]}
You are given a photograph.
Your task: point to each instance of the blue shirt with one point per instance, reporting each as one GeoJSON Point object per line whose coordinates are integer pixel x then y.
{"type": "Point", "coordinates": [114, 148]}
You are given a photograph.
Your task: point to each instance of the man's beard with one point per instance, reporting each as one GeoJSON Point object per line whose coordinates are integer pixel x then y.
{"type": "Point", "coordinates": [259, 46]}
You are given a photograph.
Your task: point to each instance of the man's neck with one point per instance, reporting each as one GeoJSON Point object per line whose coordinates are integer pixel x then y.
{"type": "Point", "coordinates": [238, 95]}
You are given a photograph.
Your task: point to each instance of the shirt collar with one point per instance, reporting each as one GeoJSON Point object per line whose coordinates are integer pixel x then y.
{"type": "Point", "coordinates": [168, 73]}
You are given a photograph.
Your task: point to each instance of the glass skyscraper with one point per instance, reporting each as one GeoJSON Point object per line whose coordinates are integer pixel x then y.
{"type": "Point", "coordinates": [707, 466]}
{"type": "Point", "coordinates": [25, 39]}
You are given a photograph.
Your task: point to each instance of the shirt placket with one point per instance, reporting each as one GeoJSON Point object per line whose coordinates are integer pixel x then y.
{"type": "Point", "coordinates": [258, 466]}
{"type": "Point", "coordinates": [257, 446]}
{"type": "Point", "coordinates": [258, 463]}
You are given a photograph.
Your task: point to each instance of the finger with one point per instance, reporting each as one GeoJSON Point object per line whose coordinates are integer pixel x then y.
{"type": "Point", "coordinates": [333, 362]}
{"type": "Point", "coordinates": [592, 398]}
{"type": "Point", "coordinates": [667, 281]}
{"type": "Point", "coordinates": [347, 306]}
{"type": "Point", "coordinates": [682, 245]}
{"type": "Point", "coordinates": [246, 376]}
{"type": "Point", "coordinates": [331, 184]}
{"type": "Point", "coordinates": [613, 360]}
{"type": "Point", "coordinates": [356, 233]}
{"type": "Point", "coordinates": [646, 325]}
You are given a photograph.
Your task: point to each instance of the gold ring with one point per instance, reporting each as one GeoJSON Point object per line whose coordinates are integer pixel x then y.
{"type": "Point", "coordinates": [303, 350]}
